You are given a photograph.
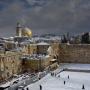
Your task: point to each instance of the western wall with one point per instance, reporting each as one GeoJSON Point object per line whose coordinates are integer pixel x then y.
{"type": "Point", "coordinates": [74, 53]}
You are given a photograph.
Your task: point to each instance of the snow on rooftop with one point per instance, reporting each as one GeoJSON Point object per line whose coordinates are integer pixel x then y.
{"type": "Point", "coordinates": [53, 60]}
{"type": "Point", "coordinates": [43, 43]}
{"type": "Point", "coordinates": [35, 57]}
{"type": "Point", "coordinates": [5, 85]}
{"type": "Point", "coordinates": [47, 56]}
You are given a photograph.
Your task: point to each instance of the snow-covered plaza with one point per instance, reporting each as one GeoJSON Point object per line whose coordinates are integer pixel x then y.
{"type": "Point", "coordinates": [61, 81]}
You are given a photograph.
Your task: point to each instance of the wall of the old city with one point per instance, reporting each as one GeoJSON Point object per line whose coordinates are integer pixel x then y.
{"type": "Point", "coordinates": [74, 53]}
{"type": "Point", "coordinates": [34, 65]}
{"type": "Point", "coordinates": [42, 49]}
{"type": "Point", "coordinates": [10, 64]}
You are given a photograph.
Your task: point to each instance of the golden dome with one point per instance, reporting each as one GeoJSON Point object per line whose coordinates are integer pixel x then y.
{"type": "Point", "coordinates": [27, 32]}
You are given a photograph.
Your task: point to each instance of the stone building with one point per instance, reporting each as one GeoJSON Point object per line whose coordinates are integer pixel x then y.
{"type": "Point", "coordinates": [9, 45]}
{"type": "Point", "coordinates": [29, 49]}
{"type": "Point", "coordinates": [10, 64]}
{"type": "Point", "coordinates": [70, 53]}
{"type": "Point", "coordinates": [42, 48]}
{"type": "Point", "coordinates": [32, 49]}
{"type": "Point", "coordinates": [35, 63]}
{"type": "Point", "coordinates": [53, 51]}
{"type": "Point", "coordinates": [23, 31]}
{"type": "Point", "coordinates": [35, 48]}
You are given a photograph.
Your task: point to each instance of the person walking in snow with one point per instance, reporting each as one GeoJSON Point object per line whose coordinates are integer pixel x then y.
{"type": "Point", "coordinates": [68, 76]}
{"type": "Point", "coordinates": [52, 73]}
{"type": "Point", "coordinates": [27, 89]}
{"type": "Point", "coordinates": [40, 87]}
{"type": "Point", "coordinates": [83, 87]}
{"type": "Point", "coordinates": [59, 76]}
{"type": "Point", "coordinates": [64, 82]}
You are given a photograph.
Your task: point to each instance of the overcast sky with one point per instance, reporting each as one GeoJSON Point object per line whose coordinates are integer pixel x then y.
{"type": "Point", "coordinates": [45, 16]}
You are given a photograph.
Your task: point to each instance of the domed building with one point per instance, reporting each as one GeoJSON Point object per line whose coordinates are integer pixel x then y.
{"type": "Point", "coordinates": [26, 32]}
{"type": "Point", "coordinates": [23, 31]}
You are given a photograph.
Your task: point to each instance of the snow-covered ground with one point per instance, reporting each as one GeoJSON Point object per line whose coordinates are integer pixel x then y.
{"type": "Point", "coordinates": [75, 81]}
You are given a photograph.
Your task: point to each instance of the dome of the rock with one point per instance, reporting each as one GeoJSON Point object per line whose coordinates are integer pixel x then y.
{"type": "Point", "coordinates": [26, 32]}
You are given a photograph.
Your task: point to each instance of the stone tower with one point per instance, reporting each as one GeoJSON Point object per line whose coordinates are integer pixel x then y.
{"type": "Point", "coordinates": [18, 30]}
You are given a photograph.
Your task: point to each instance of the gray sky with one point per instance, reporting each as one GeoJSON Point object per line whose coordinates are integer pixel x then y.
{"type": "Point", "coordinates": [45, 16]}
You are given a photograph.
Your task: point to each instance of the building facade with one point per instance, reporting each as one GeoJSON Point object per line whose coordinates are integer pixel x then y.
{"type": "Point", "coordinates": [35, 63]}
{"type": "Point", "coordinates": [10, 64]}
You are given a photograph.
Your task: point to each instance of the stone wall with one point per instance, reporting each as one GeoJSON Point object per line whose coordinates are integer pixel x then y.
{"type": "Point", "coordinates": [32, 49]}
{"type": "Point", "coordinates": [42, 49]}
{"type": "Point", "coordinates": [74, 53]}
{"type": "Point", "coordinates": [10, 64]}
{"type": "Point", "coordinates": [54, 50]}
{"type": "Point", "coordinates": [34, 65]}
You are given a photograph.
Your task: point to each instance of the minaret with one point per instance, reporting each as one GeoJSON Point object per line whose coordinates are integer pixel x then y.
{"type": "Point", "coordinates": [18, 30]}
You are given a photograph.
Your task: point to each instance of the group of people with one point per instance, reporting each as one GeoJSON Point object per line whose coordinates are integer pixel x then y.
{"type": "Point", "coordinates": [54, 74]}
{"type": "Point", "coordinates": [83, 87]}
{"type": "Point", "coordinates": [65, 81]}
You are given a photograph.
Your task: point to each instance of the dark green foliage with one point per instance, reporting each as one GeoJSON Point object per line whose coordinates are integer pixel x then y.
{"type": "Point", "coordinates": [85, 38]}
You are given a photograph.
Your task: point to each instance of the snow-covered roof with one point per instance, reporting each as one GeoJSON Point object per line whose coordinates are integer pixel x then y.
{"type": "Point", "coordinates": [47, 56]}
{"type": "Point", "coordinates": [25, 43]}
{"type": "Point", "coordinates": [35, 57]}
{"type": "Point", "coordinates": [49, 49]}
{"type": "Point", "coordinates": [5, 85]}
{"type": "Point", "coordinates": [43, 43]}
{"type": "Point", "coordinates": [53, 60]}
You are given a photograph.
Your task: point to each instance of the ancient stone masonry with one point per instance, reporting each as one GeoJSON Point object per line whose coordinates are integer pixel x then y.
{"type": "Point", "coordinates": [10, 64]}
{"type": "Point", "coordinates": [74, 53]}
{"type": "Point", "coordinates": [35, 64]}
{"type": "Point", "coordinates": [55, 50]}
